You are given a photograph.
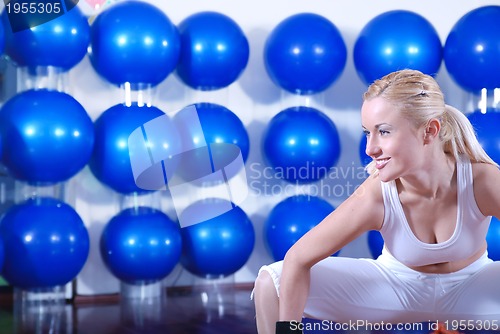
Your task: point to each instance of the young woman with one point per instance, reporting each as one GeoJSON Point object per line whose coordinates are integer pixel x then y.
{"type": "Point", "coordinates": [431, 193]}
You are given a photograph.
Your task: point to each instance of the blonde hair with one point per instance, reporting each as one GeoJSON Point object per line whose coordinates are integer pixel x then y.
{"type": "Point", "coordinates": [419, 99]}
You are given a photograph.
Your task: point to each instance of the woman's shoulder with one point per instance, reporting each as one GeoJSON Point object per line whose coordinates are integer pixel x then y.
{"type": "Point", "coordinates": [482, 171]}
{"type": "Point", "coordinates": [486, 180]}
{"type": "Point", "coordinates": [370, 192]}
{"type": "Point", "coordinates": [485, 175]}
{"type": "Point", "coordinates": [371, 187]}
{"type": "Point", "coordinates": [367, 202]}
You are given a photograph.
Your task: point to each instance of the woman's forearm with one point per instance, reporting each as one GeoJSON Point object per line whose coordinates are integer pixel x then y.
{"type": "Point", "coordinates": [294, 289]}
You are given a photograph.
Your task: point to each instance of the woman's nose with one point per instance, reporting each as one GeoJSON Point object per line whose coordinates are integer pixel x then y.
{"type": "Point", "coordinates": [372, 148]}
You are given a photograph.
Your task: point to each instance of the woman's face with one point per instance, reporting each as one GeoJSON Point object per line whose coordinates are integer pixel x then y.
{"type": "Point", "coordinates": [391, 140]}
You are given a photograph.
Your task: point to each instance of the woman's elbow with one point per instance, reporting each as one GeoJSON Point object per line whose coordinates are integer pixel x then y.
{"type": "Point", "coordinates": [297, 258]}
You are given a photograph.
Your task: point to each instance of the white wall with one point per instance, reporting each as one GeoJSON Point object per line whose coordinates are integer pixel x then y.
{"type": "Point", "coordinates": [255, 99]}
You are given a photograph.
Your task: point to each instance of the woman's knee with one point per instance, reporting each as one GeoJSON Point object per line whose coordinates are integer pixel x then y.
{"type": "Point", "coordinates": [264, 284]}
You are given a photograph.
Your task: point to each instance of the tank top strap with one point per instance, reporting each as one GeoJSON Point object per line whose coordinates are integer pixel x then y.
{"type": "Point", "coordinates": [390, 196]}
{"type": "Point", "coordinates": [465, 184]}
{"type": "Point", "coordinates": [464, 172]}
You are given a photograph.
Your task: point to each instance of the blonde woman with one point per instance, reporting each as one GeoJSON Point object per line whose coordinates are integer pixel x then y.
{"type": "Point", "coordinates": [431, 193]}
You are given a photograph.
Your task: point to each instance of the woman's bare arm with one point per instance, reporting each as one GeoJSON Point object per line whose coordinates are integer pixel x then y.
{"type": "Point", "coordinates": [361, 212]}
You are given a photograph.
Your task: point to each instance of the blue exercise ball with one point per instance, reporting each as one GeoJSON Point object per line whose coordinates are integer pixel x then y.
{"type": "Point", "coordinates": [47, 136]}
{"type": "Point", "coordinates": [493, 239]}
{"type": "Point", "coordinates": [45, 241]}
{"type": "Point", "coordinates": [397, 40]}
{"type": "Point", "coordinates": [219, 125]}
{"type": "Point", "coordinates": [134, 42]}
{"type": "Point", "coordinates": [219, 246]}
{"type": "Point", "coordinates": [363, 157]}
{"type": "Point", "coordinates": [301, 144]}
{"type": "Point", "coordinates": [305, 54]}
{"type": "Point", "coordinates": [141, 245]}
{"type": "Point", "coordinates": [2, 39]}
{"type": "Point", "coordinates": [61, 42]}
{"type": "Point", "coordinates": [290, 219]}
{"type": "Point", "coordinates": [214, 51]}
{"type": "Point", "coordinates": [472, 50]}
{"type": "Point", "coordinates": [2, 254]}
{"type": "Point", "coordinates": [110, 160]}
{"type": "Point", "coordinates": [375, 243]}
{"type": "Point", "coordinates": [487, 128]}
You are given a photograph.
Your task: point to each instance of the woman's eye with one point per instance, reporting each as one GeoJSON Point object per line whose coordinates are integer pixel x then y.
{"type": "Point", "coordinates": [383, 132]}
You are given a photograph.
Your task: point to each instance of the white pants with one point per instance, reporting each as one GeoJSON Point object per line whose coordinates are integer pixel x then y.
{"type": "Point", "coordinates": [347, 289]}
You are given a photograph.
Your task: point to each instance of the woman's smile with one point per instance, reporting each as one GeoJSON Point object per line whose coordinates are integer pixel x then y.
{"type": "Point", "coordinates": [380, 163]}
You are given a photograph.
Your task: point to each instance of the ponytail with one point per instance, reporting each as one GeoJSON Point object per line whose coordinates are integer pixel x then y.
{"type": "Point", "coordinates": [459, 137]}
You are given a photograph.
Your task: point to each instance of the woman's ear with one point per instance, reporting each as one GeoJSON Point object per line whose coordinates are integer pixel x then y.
{"type": "Point", "coordinates": [432, 130]}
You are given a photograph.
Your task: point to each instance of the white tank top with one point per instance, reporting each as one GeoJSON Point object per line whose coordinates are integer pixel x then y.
{"type": "Point", "coordinates": [469, 235]}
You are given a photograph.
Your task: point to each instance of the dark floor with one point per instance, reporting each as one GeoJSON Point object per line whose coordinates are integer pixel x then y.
{"type": "Point", "coordinates": [182, 311]}
{"type": "Point", "coordinates": [202, 310]}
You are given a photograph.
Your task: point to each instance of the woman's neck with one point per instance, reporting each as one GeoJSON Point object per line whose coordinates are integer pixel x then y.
{"type": "Point", "coordinates": [432, 179]}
